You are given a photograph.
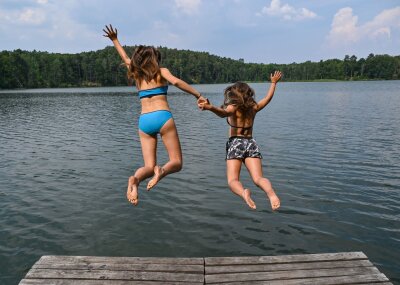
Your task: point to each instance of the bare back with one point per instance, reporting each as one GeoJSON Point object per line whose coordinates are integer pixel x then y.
{"type": "Point", "coordinates": [154, 103]}
{"type": "Point", "coordinates": [241, 124]}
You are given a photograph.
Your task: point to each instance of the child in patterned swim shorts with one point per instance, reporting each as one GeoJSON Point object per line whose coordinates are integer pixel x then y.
{"type": "Point", "coordinates": [240, 109]}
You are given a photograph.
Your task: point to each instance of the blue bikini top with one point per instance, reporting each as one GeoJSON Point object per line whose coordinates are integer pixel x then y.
{"type": "Point", "coordinates": [162, 90]}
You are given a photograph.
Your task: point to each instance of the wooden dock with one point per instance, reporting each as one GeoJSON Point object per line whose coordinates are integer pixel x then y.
{"type": "Point", "coordinates": [327, 268]}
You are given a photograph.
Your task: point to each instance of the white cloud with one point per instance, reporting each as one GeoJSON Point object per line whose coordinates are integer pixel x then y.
{"type": "Point", "coordinates": [188, 6]}
{"type": "Point", "coordinates": [345, 28]}
{"type": "Point", "coordinates": [31, 16]}
{"type": "Point", "coordinates": [287, 12]}
{"type": "Point", "coordinates": [42, 26]}
{"type": "Point", "coordinates": [26, 16]}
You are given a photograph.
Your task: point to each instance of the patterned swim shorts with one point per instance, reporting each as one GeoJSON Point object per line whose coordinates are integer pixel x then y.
{"type": "Point", "coordinates": [241, 148]}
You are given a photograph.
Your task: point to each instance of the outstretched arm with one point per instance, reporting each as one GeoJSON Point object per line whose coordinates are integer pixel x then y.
{"type": "Point", "coordinates": [268, 97]}
{"type": "Point", "coordinates": [165, 73]}
{"type": "Point", "coordinates": [204, 104]}
{"type": "Point", "coordinates": [113, 36]}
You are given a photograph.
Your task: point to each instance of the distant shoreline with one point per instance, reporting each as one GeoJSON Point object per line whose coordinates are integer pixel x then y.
{"type": "Point", "coordinates": [266, 82]}
{"type": "Point", "coordinates": [23, 69]}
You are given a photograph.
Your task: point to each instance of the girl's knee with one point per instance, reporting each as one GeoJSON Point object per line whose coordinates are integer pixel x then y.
{"type": "Point", "coordinates": [232, 181]}
{"type": "Point", "coordinates": [148, 168]}
{"type": "Point", "coordinates": [177, 164]}
{"type": "Point", "coordinates": [260, 180]}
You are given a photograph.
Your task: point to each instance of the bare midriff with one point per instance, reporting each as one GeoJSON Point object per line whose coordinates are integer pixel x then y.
{"type": "Point", "coordinates": [154, 103]}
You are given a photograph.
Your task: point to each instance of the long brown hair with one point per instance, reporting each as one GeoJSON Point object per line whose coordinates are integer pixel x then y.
{"type": "Point", "coordinates": [145, 64]}
{"type": "Point", "coordinates": [241, 95]}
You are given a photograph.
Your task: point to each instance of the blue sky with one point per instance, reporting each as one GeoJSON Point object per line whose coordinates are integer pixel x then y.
{"type": "Point", "coordinates": [264, 31]}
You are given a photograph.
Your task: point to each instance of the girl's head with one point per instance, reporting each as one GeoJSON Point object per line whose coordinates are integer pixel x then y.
{"type": "Point", "coordinates": [241, 95]}
{"type": "Point", "coordinates": [145, 64]}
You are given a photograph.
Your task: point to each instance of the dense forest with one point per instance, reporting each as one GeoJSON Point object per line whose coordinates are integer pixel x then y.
{"type": "Point", "coordinates": [33, 69]}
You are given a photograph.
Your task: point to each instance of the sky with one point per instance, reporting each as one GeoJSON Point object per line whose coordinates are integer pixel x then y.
{"type": "Point", "coordinates": [261, 31]}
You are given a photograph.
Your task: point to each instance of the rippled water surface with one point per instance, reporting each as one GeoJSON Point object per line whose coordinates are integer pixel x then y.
{"type": "Point", "coordinates": [331, 150]}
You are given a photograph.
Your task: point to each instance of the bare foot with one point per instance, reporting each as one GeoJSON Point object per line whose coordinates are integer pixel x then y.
{"type": "Point", "coordinates": [132, 192]}
{"type": "Point", "coordinates": [275, 202]}
{"type": "Point", "coordinates": [158, 172]}
{"type": "Point", "coordinates": [247, 198]}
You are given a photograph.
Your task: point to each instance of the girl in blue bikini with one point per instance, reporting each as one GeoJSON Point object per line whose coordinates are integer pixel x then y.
{"type": "Point", "coordinates": [152, 84]}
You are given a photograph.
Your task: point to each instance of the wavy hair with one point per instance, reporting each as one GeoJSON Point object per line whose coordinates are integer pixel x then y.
{"type": "Point", "coordinates": [241, 95]}
{"type": "Point", "coordinates": [145, 64]}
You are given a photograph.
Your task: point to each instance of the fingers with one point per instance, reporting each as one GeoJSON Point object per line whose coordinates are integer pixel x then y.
{"type": "Point", "coordinates": [202, 100]}
{"type": "Point", "coordinates": [108, 29]}
{"type": "Point", "coordinates": [201, 106]}
{"type": "Point", "coordinates": [109, 32]}
{"type": "Point", "coordinates": [276, 76]}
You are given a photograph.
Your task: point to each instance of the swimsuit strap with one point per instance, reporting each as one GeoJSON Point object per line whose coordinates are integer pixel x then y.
{"type": "Point", "coordinates": [160, 90]}
{"type": "Point", "coordinates": [236, 127]}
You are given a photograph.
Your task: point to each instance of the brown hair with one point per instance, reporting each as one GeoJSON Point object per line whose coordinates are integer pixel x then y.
{"type": "Point", "coordinates": [145, 64]}
{"type": "Point", "coordinates": [241, 95]}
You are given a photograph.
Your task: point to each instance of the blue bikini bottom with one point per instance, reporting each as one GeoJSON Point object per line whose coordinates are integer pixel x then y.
{"type": "Point", "coordinates": [151, 123]}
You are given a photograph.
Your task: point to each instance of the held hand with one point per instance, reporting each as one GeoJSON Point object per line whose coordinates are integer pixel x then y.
{"type": "Point", "coordinates": [203, 103]}
{"type": "Point", "coordinates": [276, 76]}
{"type": "Point", "coordinates": [110, 33]}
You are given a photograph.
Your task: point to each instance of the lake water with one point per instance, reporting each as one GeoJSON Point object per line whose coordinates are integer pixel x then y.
{"type": "Point", "coordinates": [331, 151]}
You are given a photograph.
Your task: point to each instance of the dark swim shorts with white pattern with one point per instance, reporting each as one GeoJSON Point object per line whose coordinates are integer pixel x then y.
{"type": "Point", "coordinates": [241, 148]}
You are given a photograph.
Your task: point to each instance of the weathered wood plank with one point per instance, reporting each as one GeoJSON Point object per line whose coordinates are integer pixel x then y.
{"type": "Point", "coordinates": [380, 283]}
{"type": "Point", "coordinates": [285, 258]}
{"type": "Point", "coordinates": [338, 280]}
{"type": "Point", "coordinates": [324, 269]}
{"type": "Point", "coordinates": [375, 283]}
{"type": "Point", "coordinates": [46, 259]}
{"type": "Point", "coordinates": [99, 282]}
{"type": "Point", "coordinates": [122, 267]}
{"type": "Point", "coordinates": [116, 275]}
{"type": "Point", "coordinates": [285, 266]}
{"type": "Point", "coordinates": [293, 274]}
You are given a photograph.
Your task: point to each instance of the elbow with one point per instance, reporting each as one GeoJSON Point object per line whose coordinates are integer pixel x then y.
{"type": "Point", "coordinates": [127, 62]}
{"type": "Point", "coordinates": [176, 83]}
{"type": "Point", "coordinates": [223, 115]}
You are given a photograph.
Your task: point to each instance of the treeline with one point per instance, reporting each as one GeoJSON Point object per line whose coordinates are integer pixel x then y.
{"type": "Point", "coordinates": [24, 69]}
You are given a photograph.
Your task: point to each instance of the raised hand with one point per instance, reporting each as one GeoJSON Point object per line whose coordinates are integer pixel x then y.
{"type": "Point", "coordinates": [110, 33]}
{"type": "Point", "coordinates": [276, 76]}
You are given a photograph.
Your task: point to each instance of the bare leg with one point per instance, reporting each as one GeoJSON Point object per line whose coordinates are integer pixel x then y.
{"type": "Point", "coordinates": [149, 145]}
{"type": "Point", "coordinates": [170, 138]}
{"type": "Point", "coordinates": [255, 169]}
{"type": "Point", "coordinates": [233, 167]}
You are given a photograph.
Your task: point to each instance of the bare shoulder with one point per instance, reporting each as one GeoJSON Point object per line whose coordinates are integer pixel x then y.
{"type": "Point", "coordinates": [167, 75]}
{"type": "Point", "coordinates": [164, 70]}
{"type": "Point", "coordinates": [256, 108]}
{"type": "Point", "coordinates": [231, 108]}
